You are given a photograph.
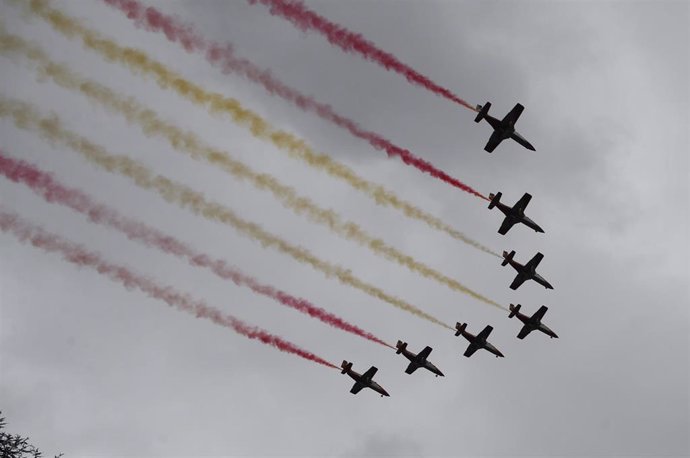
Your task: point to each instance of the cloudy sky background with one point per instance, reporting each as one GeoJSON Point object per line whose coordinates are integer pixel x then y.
{"type": "Point", "coordinates": [90, 368]}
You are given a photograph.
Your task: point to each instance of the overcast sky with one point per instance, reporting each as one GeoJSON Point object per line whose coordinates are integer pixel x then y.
{"type": "Point", "coordinates": [89, 368]}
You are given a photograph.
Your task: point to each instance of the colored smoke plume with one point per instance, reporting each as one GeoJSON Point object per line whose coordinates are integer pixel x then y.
{"type": "Point", "coordinates": [76, 254]}
{"type": "Point", "coordinates": [191, 144]}
{"type": "Point", "coordinates": [53, 191]}
{"type": "Point", "coordinates": [307, 20]}
{"type": "Point", "coordinates": [223, 56]}
{"type": "Point", "coordinates": [140, 63]}
{"type": "Point", "coordinates": [25, 117]}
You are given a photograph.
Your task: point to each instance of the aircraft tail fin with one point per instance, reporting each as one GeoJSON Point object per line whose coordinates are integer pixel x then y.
{"type": "Point", "coordinates": [507, 257]}
{"type": "Point", "coordinates": [483, 111]}
{"type": "Point", "coordinates": [460, 328]}
{"type": "Point", "coordinates": [346, 367]}
{"type": "Point", "coordinates": [514, 309]}
{"type": "Point", "coordinates": [401, 346]}
{"type": "Point", "coordinates": [495, 198]}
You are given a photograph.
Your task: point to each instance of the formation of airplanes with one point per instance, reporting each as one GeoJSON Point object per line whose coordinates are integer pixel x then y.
{"type": "Point", "coordinates": [502, 129]}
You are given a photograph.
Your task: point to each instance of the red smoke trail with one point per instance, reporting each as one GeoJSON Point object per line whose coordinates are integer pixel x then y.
{"type": "Point", "coordinates": [223, 56]}
{"type": "Point", "coordinates": [305, 19]}
{"type": "Point", "coordinates": [76, 254]}
{"type": "Point", "coordinates": [44, 184]}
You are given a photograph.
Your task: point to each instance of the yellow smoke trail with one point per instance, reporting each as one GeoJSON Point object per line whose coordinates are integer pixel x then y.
{"type": "Point", "coordinates": [25, 117]}
{"type": "Point", "coordinates": [191, 144]}
{"type": "Point", "coordinates": [140, 63]}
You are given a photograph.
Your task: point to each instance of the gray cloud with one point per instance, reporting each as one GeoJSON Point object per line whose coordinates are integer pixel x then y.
{"type": "Point", "coordinates": [377, 445]}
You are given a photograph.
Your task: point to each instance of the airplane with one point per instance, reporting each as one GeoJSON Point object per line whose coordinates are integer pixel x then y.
{"type": "Point", "coordinates": [525, 272]}
{"type": "Point", "coordinates": [516, 214]}
{"type": "Point", "coordinates": [504, 128]}
{"type": "Point", "coordinates": [478, 341]}
{"type": "Point", "coordinates": [363, 380]}
{"type": "Point", "coordinates": [418, 360]}
{"type": "Point", "coordinates": [531, 322]}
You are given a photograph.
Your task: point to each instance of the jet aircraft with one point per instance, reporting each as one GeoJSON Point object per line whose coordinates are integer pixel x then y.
{"type": "Point", "coordinates": [525, 272]}
{"type": "Point", "coordinates": [478, 341]}
{"type": "Point", "coordinates": [363, 380]}
{"type": "Point", "coordinates": [516, 214]}
{"type": "Point", "coordinates": [531, 322]}
{"type": "Point", "coordinates": [504, 128]}
{"type": "Point", "coordinates": [418, 360]}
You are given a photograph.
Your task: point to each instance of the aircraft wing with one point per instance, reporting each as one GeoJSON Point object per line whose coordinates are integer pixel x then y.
{"type": "Point", "coordinates": [514, 114]}
{"type": "Point", "coordinates": [534, 262]}
{"type": "Point", "coordinates": [522, 203]}
{"type": "Point", "coordinates": [412, 367]}
{"type": "Point", "coordinates": [369, 374]}
{"type": "Point", "coordinates": [485, 332]}
{"type": "Point", "coordinates": [506, 225]}
{"type": "Point", "coordinates": [495, 139]}
{"type": "Point", "coordinates": [424, 353]}
{"type": "Point", "coordinates": [471, 349]}
{"type": "Point", "coordinates": [519, 280]}
{"type": "Point", "coordinates": [357, 387]}
{"type": "Point", "coordinates": [524, 331]}
{"type": "Point", "coordinates": [539, 314]}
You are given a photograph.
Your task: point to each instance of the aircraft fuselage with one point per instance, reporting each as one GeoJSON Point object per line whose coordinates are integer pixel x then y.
{"type": "Point", "coordinates": [378, 388]}
{"type": "Point", "coordinates": [529, 223]}
{"type": "Point", "coordinates": [516, 215]}
{"type": "Point", "coordinates": [486, 345]}
{"type": "Point", "coordinates": [507, 130]}
{"type": "Point", "coordinates": [535, 324]}
{"type": "Point", "coordinates": [497, 125]}
{"type": "Point", "coordinates": [431, 368]}
{"type": "Point", "coordinates": [545, 329]}
{"type": "Point", "coordinates": [520, 268]}
{"type": "Point", "coordinates": [503, 128]}
{"type": "Point", "coordinates": [367, 382]}
{"type": "Point", "coordinates": [422, 362]}
{"type": "Point", "coordinates": [529, 273]}
{"type": "Point", "coordinates": [481, 343]}
{"type": "Point", "coordinates": [356, 376]}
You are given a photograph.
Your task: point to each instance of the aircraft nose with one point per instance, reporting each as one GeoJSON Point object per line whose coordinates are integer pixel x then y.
{"type": "Point", "coordinates": [547, 285]}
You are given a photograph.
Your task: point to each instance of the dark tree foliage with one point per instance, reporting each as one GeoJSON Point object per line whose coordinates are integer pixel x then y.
{"type": "Point", "coordinates": [16, 446]}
